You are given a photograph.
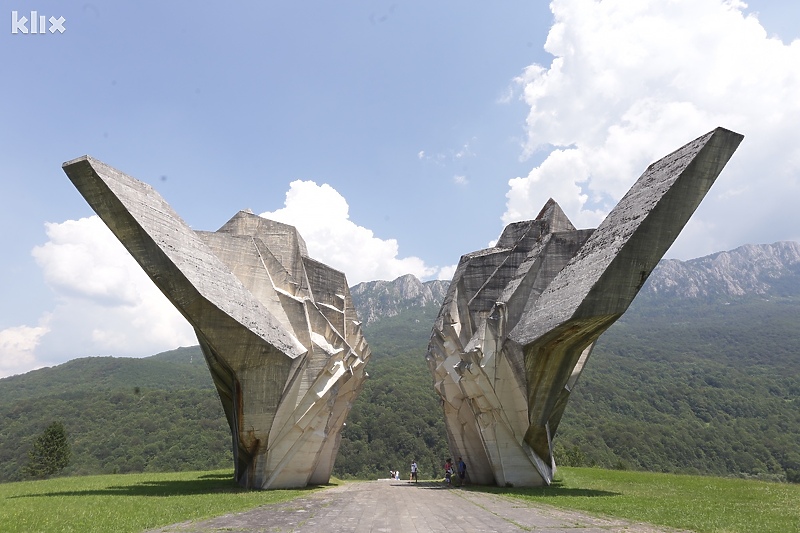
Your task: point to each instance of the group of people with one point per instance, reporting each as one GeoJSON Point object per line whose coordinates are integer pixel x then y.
{"type": "Point", "coordinates": [460, 468]}
{"type": "Point", "coordinates": [449, 469]}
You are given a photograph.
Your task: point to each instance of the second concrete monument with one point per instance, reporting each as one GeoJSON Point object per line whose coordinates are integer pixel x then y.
{"type": "Point", "coordinates": [520, 319]}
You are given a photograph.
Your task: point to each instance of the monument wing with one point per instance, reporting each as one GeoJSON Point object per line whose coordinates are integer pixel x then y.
{"type": "Point", "coordinates": [521, 318]}
{"type": "Point", "coordinates": [278, 329]}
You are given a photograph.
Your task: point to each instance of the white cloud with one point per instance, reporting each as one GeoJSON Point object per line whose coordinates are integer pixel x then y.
{"type": "Point", "coordinates": [321, 215]}
{"type": "Point", "coordinates": [446, 273]}
{"type": "Point", "coordinates": [83, 259]}
{"type": "Point", "coordinates": [458, 179]}
{"type": "Point", "coordinates": [632, 81]}
{"type": "Point", "coordinates": [450, 156]}
{"type": "Point", "coordinates": [106, 304]}
{"type": "Point", "coordinates": [18, 348]}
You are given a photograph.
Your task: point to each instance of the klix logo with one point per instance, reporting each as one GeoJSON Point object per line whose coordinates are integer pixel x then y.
{"type": "Point", "coordinates": [38, 23]}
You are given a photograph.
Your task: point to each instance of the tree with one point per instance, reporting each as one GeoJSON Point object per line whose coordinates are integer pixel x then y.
{"type": "Point", "coordinates": [51, 452]}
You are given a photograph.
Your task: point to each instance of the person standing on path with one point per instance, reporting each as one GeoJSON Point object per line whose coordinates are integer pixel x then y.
{"type": "Point", "coordinates": [414, 471]}
{"type": "Point", "coordinates": [448, 471]}
{"type": "Point", "coordinates": [462, 472]}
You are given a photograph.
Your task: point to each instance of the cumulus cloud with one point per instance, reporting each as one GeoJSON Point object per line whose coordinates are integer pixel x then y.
{"type": "Point", "coordinates": [446, 273]}
{"type": "Point", "coordinates": [82, 259]}
{"type": "Point", "coordinates": [18, 348]}
{"type": "Point", "coordinates": [632, 81]}
{"type": "Point", "coordinates": [321, 215]}
{"type": "Point", "coordinates": [106, 304]}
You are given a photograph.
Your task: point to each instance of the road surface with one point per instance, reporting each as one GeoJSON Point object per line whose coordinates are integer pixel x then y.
{"type": "Point", "coordinates": [403, 506]}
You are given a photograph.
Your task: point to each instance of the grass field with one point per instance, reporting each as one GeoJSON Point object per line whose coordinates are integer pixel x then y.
{"type": "Point", "coordinates": [137, 502]}
{"type": "Point", "coordinates": [698, 503]}
{"type": "Point", "coordinates": [125, 503]}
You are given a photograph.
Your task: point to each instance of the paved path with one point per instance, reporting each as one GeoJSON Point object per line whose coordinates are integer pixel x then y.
{"type": "Point", "coordinates": [401, 506]}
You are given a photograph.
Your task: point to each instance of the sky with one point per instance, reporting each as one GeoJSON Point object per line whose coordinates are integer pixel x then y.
{"type": "Point", "coordinates": [395, 136]}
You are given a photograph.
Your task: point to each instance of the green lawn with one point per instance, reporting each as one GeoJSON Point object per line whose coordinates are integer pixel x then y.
{"type": "Point", "coordinates": [138, 502]}
{"type": "Point", "coordinates": [698, 503]}
{"type": "Point", "coordinates": [121, 503]}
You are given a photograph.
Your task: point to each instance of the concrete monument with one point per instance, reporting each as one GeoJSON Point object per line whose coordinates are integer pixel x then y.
{"type": "Point", "coordinates": [520, 319]}
{"type": "Point", "coordinates": [278, 329]}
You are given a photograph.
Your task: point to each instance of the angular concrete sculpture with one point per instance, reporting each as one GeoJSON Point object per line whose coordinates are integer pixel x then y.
{"type": "Point", "coordinates": [520, 319]}
{"type": "Point", "coordinates": [278, 329]}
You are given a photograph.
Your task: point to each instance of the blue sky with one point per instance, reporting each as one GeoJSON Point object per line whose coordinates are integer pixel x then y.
{"type": "Point", "coordinates": [395, 136]}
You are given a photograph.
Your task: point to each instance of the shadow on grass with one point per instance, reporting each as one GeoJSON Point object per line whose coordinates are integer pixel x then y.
{"type": "Point", "coordinates": [220, 475]}
{"type": "Point", "coordinates": [555, 490]}
{"type": "Point", "coordinates": [207, 484]}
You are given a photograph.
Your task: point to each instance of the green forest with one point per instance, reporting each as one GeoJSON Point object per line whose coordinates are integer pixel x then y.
{"type": "Point", "coordinates": [122, 415]}
{"type": "Point", "coordinates": [708, 388]}
{"type": "Point", "coordinates": [703, 387]}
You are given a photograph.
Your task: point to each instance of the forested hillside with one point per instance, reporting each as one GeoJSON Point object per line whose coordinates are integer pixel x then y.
{"type": "Point", "coordinates": [701, 375]}
{"type": "Point", "coordinates": [397, 418]}
{"type": "Point", "coordinates": [122, 415]}
{"type": "Point", "coordinates": [695, 388]}
{"type": "Point", "coordinates": [183, 368]}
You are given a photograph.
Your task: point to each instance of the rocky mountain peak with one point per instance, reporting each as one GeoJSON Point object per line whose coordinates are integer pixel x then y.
{"type": "Point", "coordinates": [750, 269]}
{"type": "Point", "coordinates": [378, 299]}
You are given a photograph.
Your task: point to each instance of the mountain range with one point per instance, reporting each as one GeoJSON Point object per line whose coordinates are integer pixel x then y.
{"type": "Point", "coordinates": [758, 270]}
{"type": "Point", "coordinates": [375, 300]}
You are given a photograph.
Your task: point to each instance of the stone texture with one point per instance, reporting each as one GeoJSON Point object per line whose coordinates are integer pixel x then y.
{"type": "Point", "coordinates": [520, 319]}
{"type": "Point", "coordinates": [278, 329]}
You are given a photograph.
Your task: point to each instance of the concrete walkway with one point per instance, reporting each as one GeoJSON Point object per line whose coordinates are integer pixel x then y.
{"type": "Point", "coordinates": [402, 506]}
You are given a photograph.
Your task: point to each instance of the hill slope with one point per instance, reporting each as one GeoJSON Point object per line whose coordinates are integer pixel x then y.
{"type": "Point", "coordinates": [700, 389]}
{"type": "Point", "coordinates": [122, 415]}
{"type": "Point", "coordinates": [183, 368]}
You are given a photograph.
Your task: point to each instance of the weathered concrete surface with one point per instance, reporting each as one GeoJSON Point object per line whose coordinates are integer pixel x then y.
{"type": "Point", "coordinates": [278, 329]}
{"type": "Point", "coordinates": [401, 506]}
{"type": "Point", "coordinates": [521, 318]}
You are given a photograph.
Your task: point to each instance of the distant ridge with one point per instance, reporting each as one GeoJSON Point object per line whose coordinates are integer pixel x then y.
{"type": "Point", "coordinates": [755, 269]}
{"type": "Point", "coordinates": [374, 300]}
{"type": "Point", "coordinates": [752, 269]}
{"type": "Point", "coordinates": [168, 371]}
